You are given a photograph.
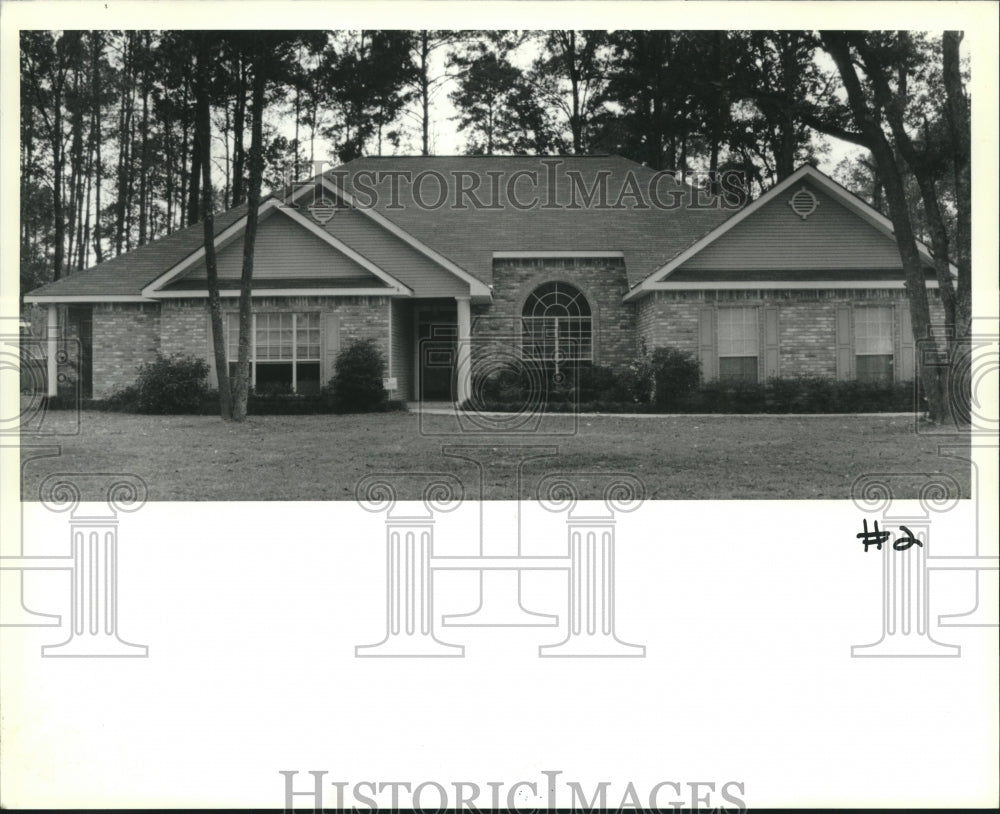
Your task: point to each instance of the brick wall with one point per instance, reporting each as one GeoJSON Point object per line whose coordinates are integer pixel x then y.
{"type": "Point", "coordinates": [185, 323]}
{"type": "Point", "coordinates": [126, 335]}
{"type": "Point", "coordinates": [184, 328]}
{"type": "Point", "coordinates": [602, 281]}
{"type": "Point", "coordinates": [806, 321]}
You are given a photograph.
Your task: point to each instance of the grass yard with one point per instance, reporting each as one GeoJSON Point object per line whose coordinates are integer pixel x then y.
{"type": "Point", "coordinates": [321, 457]}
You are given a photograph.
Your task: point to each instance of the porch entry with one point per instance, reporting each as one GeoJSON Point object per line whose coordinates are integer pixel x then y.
{"type": "Point", "coordinates": [436, 325]}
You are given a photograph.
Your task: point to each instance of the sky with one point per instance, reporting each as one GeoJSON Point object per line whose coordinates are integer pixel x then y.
{"type": "Point", "coordinates": [446, 139]}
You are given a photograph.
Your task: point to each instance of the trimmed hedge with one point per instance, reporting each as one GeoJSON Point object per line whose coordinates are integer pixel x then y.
{"type": "Point", "coordinates": [321, 404]}
{"type": "Point", "coordinates": [803, 394]}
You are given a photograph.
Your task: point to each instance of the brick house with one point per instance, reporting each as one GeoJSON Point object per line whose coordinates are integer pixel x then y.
{"type": "Point", "coordinates": [453, 264]}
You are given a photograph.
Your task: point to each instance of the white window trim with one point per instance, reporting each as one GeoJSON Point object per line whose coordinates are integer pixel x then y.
{"type": "Point", "coordinates": [253, 345]}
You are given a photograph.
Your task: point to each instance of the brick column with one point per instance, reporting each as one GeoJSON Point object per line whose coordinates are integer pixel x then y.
{"type": "Point", "coordinates": [52, 352]}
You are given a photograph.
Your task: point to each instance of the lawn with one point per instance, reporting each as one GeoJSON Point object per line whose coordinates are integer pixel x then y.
{"type": "Point", "coordinates": [321, 457]}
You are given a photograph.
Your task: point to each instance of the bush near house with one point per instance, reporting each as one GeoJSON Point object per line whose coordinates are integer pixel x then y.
{"type": "Point", "coordinates": [668, 380]}
{"type": "Point", "coordinates": [676, 375]}
{"type": "Point", "coordinates": [179, 385]}
{"type": "Point", "coordinates": [169, 385]}
{"type": "Point", "coordinates": [356, 386]}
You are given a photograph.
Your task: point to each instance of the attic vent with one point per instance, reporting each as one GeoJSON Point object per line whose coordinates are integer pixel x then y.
{"type": "Point", "coordinates": [803, 203]}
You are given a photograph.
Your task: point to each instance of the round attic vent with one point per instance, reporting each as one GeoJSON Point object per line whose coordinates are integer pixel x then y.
{"type": "Point", "coordinates": [803, 203]}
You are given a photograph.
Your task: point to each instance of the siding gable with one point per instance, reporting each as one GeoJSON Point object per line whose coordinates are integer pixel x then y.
{"type": "Point", "coordinates": [776, 238]}
{"type": "Point", "coordinates": [284, 249]}
{"type": "Point", "coordinates": [394, 256]}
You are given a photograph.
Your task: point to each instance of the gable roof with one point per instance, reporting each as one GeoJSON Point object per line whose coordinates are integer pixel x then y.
{"type": "Point", "coordinates": [470, 236]}
{"type": "Point", "coordinates": [122, 278]}
{"type": "Point", "coordinates": [492, 206]}
{"type": "Point", "coordinates": [461, 240]}
{"type": "Point", "coordinates": [742, 241]}
{"type": "Point", "coordinates": [361, 268]}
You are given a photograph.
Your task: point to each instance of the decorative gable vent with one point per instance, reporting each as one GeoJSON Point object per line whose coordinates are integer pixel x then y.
{"type": "Point", "coordinates": [803, 203]}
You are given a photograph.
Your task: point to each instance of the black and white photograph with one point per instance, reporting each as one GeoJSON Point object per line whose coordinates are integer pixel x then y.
{"type": "Point", "coordinates": [365, 380]}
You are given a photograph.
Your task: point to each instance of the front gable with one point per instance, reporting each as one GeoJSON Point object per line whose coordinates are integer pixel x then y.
{"type": "Point", "coordinates": [292, 254]}
{"type": "Point", "coordinates": [776, 237]}
{"type": "Point", "coordinates": [806, 232]}
{"type": "Point", "coordinates": [283, 251]}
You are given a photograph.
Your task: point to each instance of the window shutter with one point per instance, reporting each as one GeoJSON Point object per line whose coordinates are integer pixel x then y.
{"type": "Point", "coordinates": [213, 375]}
{"type": "Point", "coordinates": [331, 345]}
{"type": "Point", "coordinates": [769, 344]}
{"type": "Point", "coordinates": [905, 362]}
{"type": "Point", "coordinates": [707, 344]}
{"type": "Point", "coordinates": [845, 343]}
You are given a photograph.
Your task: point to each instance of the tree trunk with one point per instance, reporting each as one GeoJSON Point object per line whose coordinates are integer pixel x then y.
{"type": "Point", "coordinates": [194, 188]}
{"type": "Point", "coordinates": [239, 117]}
{"type": "Point", "coordinates": [959, 129]}
{"type": "Point", "coordinates": [76, 173]}
{"type": "Point", "coordinates": [256, 161]}
{"type": "Point", "coordinates": [916, 291]}
{"type": "Point", "coordinates": [58, 212]}
{"type": "Point", "coordinates": [96, 52]}
{"type": "Point", "coordinates": [144, 150]}
{"type": "Point", "coordinates": [894, 106]}
{"type": "Point", "coordinates": [182, 160]}
{"type": "Point", "coordinates": [83, 254]}
{"type": "Point", "coordinates": [193, 175]}
{"type": "Point", "coordinates": [168, 155]}
{"type": "Point", "coordinates": [203, 145]}
{"type": "Point", "coordinates": [123, 145]}
{"type": "Point", "coordinates": [425, 92]}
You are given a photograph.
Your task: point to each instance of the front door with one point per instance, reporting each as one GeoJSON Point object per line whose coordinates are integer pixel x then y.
{"type": "Point", "coordinates": [437, 331]}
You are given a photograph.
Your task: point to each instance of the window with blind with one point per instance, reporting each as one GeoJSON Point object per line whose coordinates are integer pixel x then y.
{"type": "Point", "coordinates": [873, 349]}
{"type": "Point", "coordinates": [284, 351]}
{"type": "Point", "coordinates": [738, 344]}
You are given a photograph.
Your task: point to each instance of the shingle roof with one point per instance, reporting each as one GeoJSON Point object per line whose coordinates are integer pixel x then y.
{"type": "Point", "coordinates": [648, 237]}
{"type": "Point", "coordinates": [128, 273]}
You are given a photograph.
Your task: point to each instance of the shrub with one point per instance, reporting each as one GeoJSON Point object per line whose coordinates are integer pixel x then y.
{"type": "Point", "coordinates": [676, 374]}
{"type": "Point", "coordinates": [168, 385]}
{"type": "Point", "coordinates": [597, 383]}
{"type": "Point", "coordinates": [635, 384]}
{"type": "Point", "coordinates": [509, 385]}
{"type": "Point", "coordinates": [357, 383]}
{"type": "Point", "coordinates": [273, 389]}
